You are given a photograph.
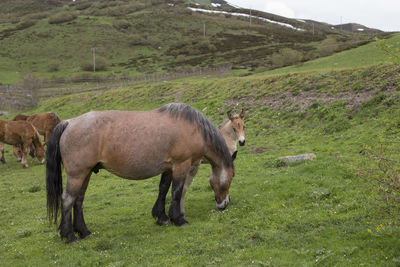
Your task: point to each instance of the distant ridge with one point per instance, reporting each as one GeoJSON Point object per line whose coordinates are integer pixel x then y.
{"type": "Point", "coordinates": [354, 27]}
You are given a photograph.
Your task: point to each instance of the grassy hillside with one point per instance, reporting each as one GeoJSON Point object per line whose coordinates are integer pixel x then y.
{"type": "Point", "coordinates": [313, 213]}
{"type": "Point", "coordinates": [361, 57]}
{"type": "Point", "coordinates": [55, 38]}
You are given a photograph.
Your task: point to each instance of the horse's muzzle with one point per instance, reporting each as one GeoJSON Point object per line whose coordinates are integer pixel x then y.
{"type": "Point", "coordinates": [224, 203]}
{"type": "Point", "coordinates": [241, 143]}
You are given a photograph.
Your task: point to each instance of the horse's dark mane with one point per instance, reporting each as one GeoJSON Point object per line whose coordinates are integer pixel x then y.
{"type": "Point", "coordinates": [55, 117]}
{"type": "Point", "coordinates": [209, 131]}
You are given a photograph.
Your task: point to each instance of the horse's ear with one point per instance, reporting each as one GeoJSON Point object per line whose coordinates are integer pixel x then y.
{"type": "Point", "coordinates": [230, 116]}
{"type": "Point", "coordinates": [242, 114]}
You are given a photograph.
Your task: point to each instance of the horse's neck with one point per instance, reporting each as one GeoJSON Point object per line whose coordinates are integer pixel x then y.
{"type": "Point", "coordinates": [229, 136]}
{"type": "Point", "coordinates": [36, 139]}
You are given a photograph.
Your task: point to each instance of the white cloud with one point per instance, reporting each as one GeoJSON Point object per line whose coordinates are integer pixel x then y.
{"type": "Point", "coordinates": [278, 8]}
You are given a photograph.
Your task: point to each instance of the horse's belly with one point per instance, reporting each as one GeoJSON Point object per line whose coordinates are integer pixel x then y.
{"type": "Point", "coordinates": [134, 171]}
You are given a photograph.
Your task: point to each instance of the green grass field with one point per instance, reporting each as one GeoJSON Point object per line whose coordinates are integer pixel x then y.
{"type": "Point", "coordinates": [313, 213]}
{"type": "Point", "coordinates": [361, 57]}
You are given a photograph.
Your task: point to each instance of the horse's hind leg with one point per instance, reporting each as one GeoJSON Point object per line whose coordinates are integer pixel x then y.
{"type": "Point", "coordinates": [79, 225]}
{"type": "Point", "coordinates": [3, 160]}
{"type": "Point", "coordinates": [71, 192]}
{"type": "Point", "coordinates": [158, 210]}
{"type": "Point", "coordinates": [17, 153]}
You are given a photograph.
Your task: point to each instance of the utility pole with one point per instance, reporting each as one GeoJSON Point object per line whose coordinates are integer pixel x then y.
{"type": "Point", "coordinates": [94, 58]}
{"type": "Point", "coordinates": [250, 16]}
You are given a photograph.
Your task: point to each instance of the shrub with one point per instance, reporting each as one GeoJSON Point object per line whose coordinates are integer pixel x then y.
{"type": "Point", "coordinates": [62, 17]}
{"type": "Point", "coordinates": [137, 39]}
{"type": "Point", "coordinates": [381, 171]}
{"type": "Point", "coordinates": [82, 5]}
{"type": "Point", "coordinates": [25, 24]}
{"type": "Point", "coordinates": [328, 47]}
{"type": "Point", "coordinates": [37, 16]}
{"type": "Point", "coordinates": [101, 64]}
{"type": "Point", "coordinates": [54, 65]}
{"type": "Point", "coordinates": [121, 24]}
{"type": "Point", "coordinates": [286, 57]}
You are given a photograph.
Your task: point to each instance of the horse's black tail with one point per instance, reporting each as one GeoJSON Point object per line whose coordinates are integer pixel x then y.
{"type": "Point", "coordinates": [53, 172]}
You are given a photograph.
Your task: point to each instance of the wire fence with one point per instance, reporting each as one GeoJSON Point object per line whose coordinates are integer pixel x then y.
{"type": "Point", "coordinates": [27, 95]}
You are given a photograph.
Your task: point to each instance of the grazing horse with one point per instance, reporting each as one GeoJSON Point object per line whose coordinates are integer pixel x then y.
{"type": "Point", "coordinates": [21, 134]}
{"type": "Point", "coordinates": [135, 145]}
{"type": "Point", "coordinates": [232, 131]}
{"type": "Point", "coordinates": [44, 123]}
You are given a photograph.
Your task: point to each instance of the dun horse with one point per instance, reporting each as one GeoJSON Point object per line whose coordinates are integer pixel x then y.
{"type": "Point", "coordinates": [134, 145]}
{"type": "Point", "coordinates": [44, 123]}
{"type": "Point", "coordinates": [232, 131]}
{"type": "Point", "coordinates": [21, 134]}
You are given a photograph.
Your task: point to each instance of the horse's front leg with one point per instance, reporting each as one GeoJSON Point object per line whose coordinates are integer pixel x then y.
{"type": "Point", "coordinates": [188, 182]}
{"type": "Point", "coordinates": [175, 213]}
{"type": "Point", "coordinates": [158, 210]}
{"type": "Point", "coordinates": [24, 151]}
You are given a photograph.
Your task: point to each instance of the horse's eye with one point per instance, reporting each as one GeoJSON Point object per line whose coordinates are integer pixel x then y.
{"type": "Point", "coordinates": [234, 130]}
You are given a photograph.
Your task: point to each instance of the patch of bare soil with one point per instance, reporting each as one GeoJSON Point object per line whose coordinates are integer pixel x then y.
{"type": "Point", "coordinates": [260, 150]}
{"type": "Point", "coordinates": [300, 102]}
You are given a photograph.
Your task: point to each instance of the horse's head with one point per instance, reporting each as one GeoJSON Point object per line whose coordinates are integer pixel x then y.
{"type": "Point", "coordinates": [238, 126]}
{"type": "Point", "coordinates": [39, 153]}
{"type": "Point", "coordinates": [220, 181]}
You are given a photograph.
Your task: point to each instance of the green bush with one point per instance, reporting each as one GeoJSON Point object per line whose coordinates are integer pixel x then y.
{"type": "Point", "coordinates": [328, 47]}
{"type": "Point", "coordinates": [286, 57]}
{"type": "Point", "coordinates": [54, 65]}
{"type": "Point", "coordinates": [82, 5]}
{"type": "Point", "coordinates": [37, 16]}
{"type": "Point", "coordinates": [137, 39]}
{"type": "Point", "coordinates": [62, 17]}
{"type": "Point", "coordinates": [25, 24]}
{"type": "Point", "coordinates": [121, 24]}
{"type": "Point", "coordinates": [101, 64]}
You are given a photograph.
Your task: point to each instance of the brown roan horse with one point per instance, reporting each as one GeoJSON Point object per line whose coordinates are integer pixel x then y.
{"type": "Point", "coordinates": [21, 134]}
{"type": "Point", "coordinates": [44, 123]}
{"type": "Point", "coordinates": [232, 131]}
{"type": "Point", "coordinates": [135, 145]}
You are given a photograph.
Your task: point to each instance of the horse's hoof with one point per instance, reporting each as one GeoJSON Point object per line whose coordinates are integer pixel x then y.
{"type": "Point", "coordinates": [180, 222]}
{"type": "Point", "coordinates": [25, 166]}
{"type": "Point", "coordinates": [85, 235]}
{"type": "Point", "coordinates": [3, 161]}
{"type": "Point", "coordinates": [163, 220]}
{"type": "Point", "coordinates": [71, 238]}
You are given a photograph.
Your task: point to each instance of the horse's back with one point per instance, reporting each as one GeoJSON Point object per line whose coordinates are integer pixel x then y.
{"type": "Point", "coordinates": [20, 117]}
{"type": "Point", "coordinates": [16, 132]}
{"type": "Point", "coordinates": [131, 144]}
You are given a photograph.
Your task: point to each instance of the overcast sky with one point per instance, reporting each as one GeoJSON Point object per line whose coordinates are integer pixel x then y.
{"type": "Point", "coordinates": [379, 14]}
